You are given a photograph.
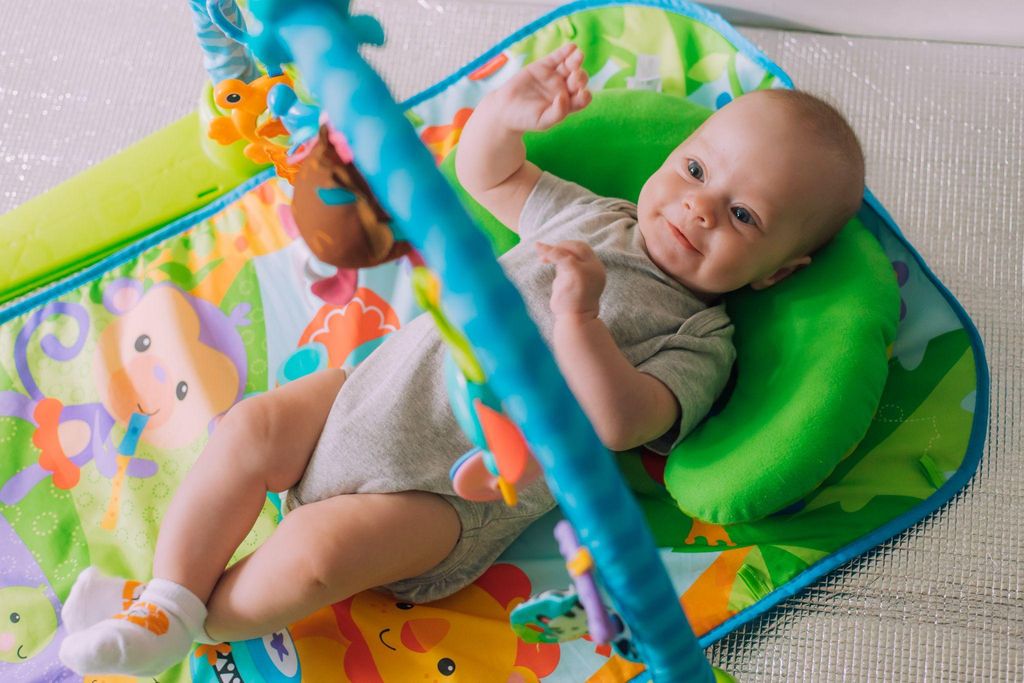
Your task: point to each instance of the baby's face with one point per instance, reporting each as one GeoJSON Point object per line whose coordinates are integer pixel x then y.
{"type": "Point", "coordinates": [729, 205]}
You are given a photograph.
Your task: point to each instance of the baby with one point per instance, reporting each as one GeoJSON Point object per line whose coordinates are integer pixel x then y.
{"type": "Point", "coordinates": [631, 307]}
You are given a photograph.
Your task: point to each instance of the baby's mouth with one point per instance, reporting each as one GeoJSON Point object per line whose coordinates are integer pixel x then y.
{"type": "Point", "coordinates": [677, 233]}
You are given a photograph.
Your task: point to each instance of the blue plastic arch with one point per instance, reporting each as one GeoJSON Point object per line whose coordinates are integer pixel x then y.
{"type": "Point", "coordinates": [316, 35]}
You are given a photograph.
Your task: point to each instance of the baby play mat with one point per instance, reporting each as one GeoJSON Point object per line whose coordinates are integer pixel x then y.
{"type": "Point", "coordinates": [231, 297]}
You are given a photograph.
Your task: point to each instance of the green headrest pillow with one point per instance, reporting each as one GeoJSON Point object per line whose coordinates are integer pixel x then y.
{"type": "Point", "coordinates": [812, 351]}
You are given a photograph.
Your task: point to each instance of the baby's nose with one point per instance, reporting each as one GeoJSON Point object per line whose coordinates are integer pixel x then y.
{"type": "Point", "coordinates": [702, 211]}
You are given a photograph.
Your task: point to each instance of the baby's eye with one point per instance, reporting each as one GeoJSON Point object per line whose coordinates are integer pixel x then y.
{"type": "Point", "coordinates": [695, 170]}
{"type": "Point", "coordinates": [742, 215]}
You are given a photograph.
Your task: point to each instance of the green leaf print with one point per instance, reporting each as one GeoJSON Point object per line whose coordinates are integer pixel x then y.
{"type": "Point", "coordinates": [204, 271]}
{"type": "Point", "coordinates": [183, 277]}
{"type": "Point", "coordinates": [709, 68]}
{"type": "Point", "coordinates": [178, 273]}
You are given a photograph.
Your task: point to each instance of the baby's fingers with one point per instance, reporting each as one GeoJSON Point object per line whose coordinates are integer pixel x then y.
{"type": "Point", "coordinates": [576, 248]}
{"type": "Point", "coordinates": [576, 81]}
{"type": "Point", "coordinates": [557, 59]}
{"type": "Point", "coordinates": [573, 59]}
{"type": "Point", "coordinates": [580, 100]}
{"type": "Point", "coordinates": [579, 96]}
{"type": "Point", "coordinates": [552, 254]}
{"type": "Point", "coordinates": [544, 251]}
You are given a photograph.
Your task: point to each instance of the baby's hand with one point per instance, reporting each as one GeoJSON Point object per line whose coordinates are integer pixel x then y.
{"type": "Point", "coordinates": [546, 91]}
{"type": "Point", "coordinates": [579, 278]}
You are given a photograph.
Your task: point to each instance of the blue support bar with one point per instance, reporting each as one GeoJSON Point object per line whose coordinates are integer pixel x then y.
{"type": "Point", "coordinates": [317, 37]}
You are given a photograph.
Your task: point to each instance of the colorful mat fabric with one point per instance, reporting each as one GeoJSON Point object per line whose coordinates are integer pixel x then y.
{"type": "Point", "coordinates": [227, 302]}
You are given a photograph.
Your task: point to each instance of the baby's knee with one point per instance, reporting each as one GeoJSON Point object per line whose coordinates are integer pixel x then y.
{"type": "Point", "coordinates": [248, 435]}
{"type": "Point", "coordinates": [253, 418]}
{"type": "Point", "coordinates": [309, 534]}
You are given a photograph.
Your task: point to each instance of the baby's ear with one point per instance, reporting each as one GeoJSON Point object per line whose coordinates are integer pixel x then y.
{"type": "Point", "coordinates": [782, 273]}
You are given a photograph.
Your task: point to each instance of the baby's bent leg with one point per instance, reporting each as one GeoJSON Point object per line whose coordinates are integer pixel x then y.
{"type": "Point", "coordinates": [262, 444]}
{"type": "Point", "coordinates": [326, 551]}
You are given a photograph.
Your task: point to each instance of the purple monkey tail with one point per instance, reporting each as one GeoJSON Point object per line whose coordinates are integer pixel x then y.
{"type": "Point", "coordinates": [50, 344]}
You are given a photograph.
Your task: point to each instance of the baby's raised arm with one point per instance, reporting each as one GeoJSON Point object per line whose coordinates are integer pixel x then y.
{"type": "Point", "coordinates": [627, 407]}
{"type": "Point", "coordinates": [491, 159]}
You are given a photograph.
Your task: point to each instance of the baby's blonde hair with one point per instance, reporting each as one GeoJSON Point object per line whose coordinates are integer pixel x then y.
{"type": "Point", "coordinates": [824, 123]}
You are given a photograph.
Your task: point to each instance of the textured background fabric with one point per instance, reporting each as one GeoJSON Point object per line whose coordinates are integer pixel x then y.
{"type": "Point", "coordinates": [942, 125]}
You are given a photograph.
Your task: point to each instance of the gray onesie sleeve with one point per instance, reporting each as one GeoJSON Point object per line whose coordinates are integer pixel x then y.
{"type": "Point", "coordinates": [694, 364]}
{"type": "Point", "coordinates": [661, 327]}
{"type": "Point", "coordinates": [555, 203]}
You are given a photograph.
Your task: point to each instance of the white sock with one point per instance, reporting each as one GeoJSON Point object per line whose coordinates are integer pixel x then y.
{"type": "Point", "coordinates": [153, 634]}
{"type": "Point", "coordinates": [95, 597]}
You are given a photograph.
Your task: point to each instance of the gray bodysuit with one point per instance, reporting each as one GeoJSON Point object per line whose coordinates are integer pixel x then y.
{"type": "Point", "coordinates": [391, 427]}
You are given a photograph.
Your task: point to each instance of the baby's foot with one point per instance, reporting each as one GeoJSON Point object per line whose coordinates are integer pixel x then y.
{"type": "Point", "coordinates": [153, 634]}
{"type": "Point", "coordinates": [95, 597]}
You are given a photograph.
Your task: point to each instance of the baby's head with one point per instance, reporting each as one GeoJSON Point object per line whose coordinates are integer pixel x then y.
{"type": "Point", "coordinates": [751, 194]}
